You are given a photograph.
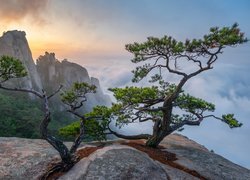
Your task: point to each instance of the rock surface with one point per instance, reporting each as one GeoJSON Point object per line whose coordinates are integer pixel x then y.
{"type": "Point", "coordinates": [198, 158]}
{"type": "Point", "coordinates": [28, 159]}
{"type": "Point", "coordinates": [117, 162]}
{"type": "Point", "coordinates": [24, 158]}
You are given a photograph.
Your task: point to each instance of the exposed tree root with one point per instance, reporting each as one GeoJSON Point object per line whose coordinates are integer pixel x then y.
{"type": "Point", "coordinates": [164, 157]}
{"type": "Point", "coordinates": [57, 169]}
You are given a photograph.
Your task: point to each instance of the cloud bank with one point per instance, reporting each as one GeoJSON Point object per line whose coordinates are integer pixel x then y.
{"type": "Point", "coordinates": [16, 10]}
{"type": "Point", "coordinates": [227, 87]}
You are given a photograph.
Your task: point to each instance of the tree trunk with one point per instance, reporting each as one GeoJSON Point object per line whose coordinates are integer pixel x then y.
{"type": "Point", "coordinates": [64, 152]}
{"type": "Point", "coordinates": [79, 139]}
{"type": "Point", "coordinates": [161, 127]}
{"type": "Point", "coordinates": [155, 139]}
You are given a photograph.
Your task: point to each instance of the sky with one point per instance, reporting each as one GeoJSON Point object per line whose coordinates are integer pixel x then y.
{"type": "Point", "coordinates": [93, 33]}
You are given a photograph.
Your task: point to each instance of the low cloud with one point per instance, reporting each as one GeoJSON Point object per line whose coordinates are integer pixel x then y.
{"type": "Point", "coordinates": [228, 91]}
{"type": "Point", "coordinates": [16, 10]}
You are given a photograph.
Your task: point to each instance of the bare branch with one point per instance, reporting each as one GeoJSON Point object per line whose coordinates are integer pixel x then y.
{"type": "Point", "coordinates": [146, 119]}
{"type": "Point", "coordinates": [211, 115]}
{"type": "Point", "coordinates": [22, 90]}
{"type": "Point", "coordinates": [156, 61]}
{"type": "Point", "coordinates": [76, 114]}
{"type": "Point", "coordinates": [197, 122]}
{"type": "Point", "coordinates": [60, 87]}
{"type": "Point", "coordinates": [171, 70]}
{"type": "Point", "coordinates": [75, 107]}
{"type": "Point", "coordinates": [189, 58]}
{"type": "Point", "coordinates": [146, 108]}
{"type": "Point", "coordinates": [132, 137]}
{"type": "Point", "coordinates": [151, 102]}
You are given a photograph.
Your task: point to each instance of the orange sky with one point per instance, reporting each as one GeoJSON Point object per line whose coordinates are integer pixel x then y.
{"type": "Point", "coordinates": [64, 43]}
{"type": "Point", "coordinates": [55, 30]}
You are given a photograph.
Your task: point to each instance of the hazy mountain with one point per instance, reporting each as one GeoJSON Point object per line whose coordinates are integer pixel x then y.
{"type": "Point", "coordinates": [53, 73]}
{"type": "Point", "coordinates": [47, 74]}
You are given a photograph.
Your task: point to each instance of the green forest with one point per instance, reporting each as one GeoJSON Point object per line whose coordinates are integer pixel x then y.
{"type": "Point", "coordinates": [21, 116]}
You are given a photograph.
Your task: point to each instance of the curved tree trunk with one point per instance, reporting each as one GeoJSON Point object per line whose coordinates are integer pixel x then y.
{"type": "Point", "coordinates": [56, 143]}
{"type": "Point", "coordinates": [161, 127]}
{"type": "Point", "coordinates": [79, 139]}
{"type": "Point", "coordinates": [155, 140]}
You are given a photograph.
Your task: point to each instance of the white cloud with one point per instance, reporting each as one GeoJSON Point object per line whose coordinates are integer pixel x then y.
{"type": "Point", "coordinates": [226, 86]}
{"type": "Point", "coordinates": [228, 97]}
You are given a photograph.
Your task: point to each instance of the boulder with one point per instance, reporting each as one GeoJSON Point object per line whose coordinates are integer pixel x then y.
{"type": "Point", "coordinates": [196, 157]}
{"type": "Point", "coordinates": [116, 162]}
{"type": "Point", "coordinates": [28, 159]}
{"type": "Point", "coordinates": [24, 158]}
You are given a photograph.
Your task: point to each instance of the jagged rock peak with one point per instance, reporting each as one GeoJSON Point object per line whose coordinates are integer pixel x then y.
{"type": "Point", "coordinates": [63, 71]}
{"type": "Point", "coordinates": [50, 57]}
{"type": "Point", "coordinates": [54, 72]}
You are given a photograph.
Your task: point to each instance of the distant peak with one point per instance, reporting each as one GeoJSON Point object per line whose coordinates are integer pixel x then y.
{"type": "Point", "coordinates": [15, 33]}
{"type": "Point", "coordinates": [50, 54]}
{"type": "Point", "coordinates": [50, 57]}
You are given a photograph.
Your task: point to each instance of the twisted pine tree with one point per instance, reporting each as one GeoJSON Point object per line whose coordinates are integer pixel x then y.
{"type": "Point", "coordinates": [92, 125]}
{"type": "Point", "coordinates": [157, 58]}
{"type": "Point", "coordinates": [13, 68]}
{"type": "Point", "coordinates": [10, 68]}
{"type": "Point", "coordinates": [160, 56]}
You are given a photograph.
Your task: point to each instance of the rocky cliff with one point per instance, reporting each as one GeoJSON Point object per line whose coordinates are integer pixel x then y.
{"type": "Point", "coordinates": [14, 43]}
{"type": "Point", "coordinates": [119, 159]}
{"type": "Point", "coordinates": [54, 73]}
{"type": "Point", "coordinates": [49, 73]}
